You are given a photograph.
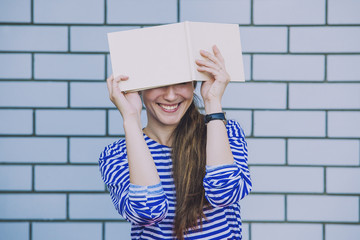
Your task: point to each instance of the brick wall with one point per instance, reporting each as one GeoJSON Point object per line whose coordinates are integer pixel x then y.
{"type": "Point", "coordinates": [299, 108]}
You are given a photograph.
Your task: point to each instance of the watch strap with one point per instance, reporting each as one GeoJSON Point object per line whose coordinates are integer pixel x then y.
{"type": "Point", "coordinates": [215, 116]}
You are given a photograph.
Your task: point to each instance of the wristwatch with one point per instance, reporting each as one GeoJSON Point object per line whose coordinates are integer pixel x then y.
{"type": "Point", "coordinates": [215, 116]}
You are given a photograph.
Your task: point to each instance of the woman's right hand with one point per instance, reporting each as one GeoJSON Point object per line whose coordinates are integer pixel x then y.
{"type": "Point", "coordinates": [129, 104]}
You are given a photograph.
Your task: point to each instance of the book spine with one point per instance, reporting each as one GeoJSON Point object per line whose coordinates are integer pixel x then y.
{"type": "Point", "coordinates": [189, 50]}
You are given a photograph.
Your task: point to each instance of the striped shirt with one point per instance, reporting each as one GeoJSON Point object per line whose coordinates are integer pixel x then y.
{"type": "Point", "coordinates": [151, 209]}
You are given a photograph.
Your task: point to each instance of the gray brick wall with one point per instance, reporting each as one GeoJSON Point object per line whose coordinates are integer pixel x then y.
{"type": "Point", "coordinates": [300, 109]}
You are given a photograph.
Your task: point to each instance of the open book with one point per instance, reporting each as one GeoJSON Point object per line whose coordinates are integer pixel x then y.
{"type": "Point", "coordinates": [165, 55]}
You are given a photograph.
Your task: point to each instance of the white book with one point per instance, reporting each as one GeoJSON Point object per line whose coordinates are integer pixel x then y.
{"type": "Point", "coordinates": [165, 55]}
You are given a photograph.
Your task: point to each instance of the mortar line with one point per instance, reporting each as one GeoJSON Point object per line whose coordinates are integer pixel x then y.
{"type": "Point", "coordinates": [286, 207]}
{"type": "Point", "coordinates": [106, 68]}
{"type": "Point", "coordinates": [32, 66]}
{"type": "Point", "coordinates": [359, 211]}
{"type": "Point", "coordinates": [30, 230]}
{"type": "Point", "coordinates": [251, 67]}
{"type": "Point", "coordinates": [103, 230]}
{"type": "Point", "coordinates": [287, 95]}
{"type": "Point", "coordinates": [68, 149]}
{"type": "Point", "coordinates": [67, 207]}
{"type": "Point", "coordinates": [252, 123]}
{"type": "Point", "coordinates": [252, 12]}
{"type": "Point", "coordinates": [325, 67]}
{"type": "Point", "coordinates": [33, 178]}
{"type": "Point", "coordinates": [288, 39]}
{"type": "Point", "coordinates": [34, 123]}
{"type": "Point", "coordinates": [69, 39]}
{"type": "Point", "coordinates": [326, 12]}
{"type": "Point", "coordinates": [107, 123]}
{"type": "Point", "coordinates": [326, 124]}
{"type": "Point", "coordinates": [32, 12]}
{"type": "Point", "coordinates": [286, 151]}
{"type": "Point", "coordinates": [68, 95]}
{"type": "Point", "coordinates": [178, 11]}
{"type": "Point", "coordinates": [250, 225]}
{"type": "Point", "coordinates": [324, 169]}
{"type": "Point", "coordinates": [105, 12]}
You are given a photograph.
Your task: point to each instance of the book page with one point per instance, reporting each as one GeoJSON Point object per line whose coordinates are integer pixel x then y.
{"type": "Point", "coordinates": [226, 37]}
{"type": "Point", "coordinates": [151, 57]}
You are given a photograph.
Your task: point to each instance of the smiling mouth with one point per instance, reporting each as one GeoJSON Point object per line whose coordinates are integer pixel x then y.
{"type": "Point", "coordinates": [169, 108]}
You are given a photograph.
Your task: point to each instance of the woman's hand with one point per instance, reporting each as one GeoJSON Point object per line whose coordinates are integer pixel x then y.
{"type": "Point", "coordinates": [129, 104]}
{"type": "Point", "coordinates": [213, 89]}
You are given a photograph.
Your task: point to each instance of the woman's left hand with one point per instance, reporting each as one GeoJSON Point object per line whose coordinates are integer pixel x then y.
{"type": "Point", "coordinates": [212, 90]}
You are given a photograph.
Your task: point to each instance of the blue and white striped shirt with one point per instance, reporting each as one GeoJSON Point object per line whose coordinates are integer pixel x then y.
{"type": "Point", "coordinates": [151, 209]}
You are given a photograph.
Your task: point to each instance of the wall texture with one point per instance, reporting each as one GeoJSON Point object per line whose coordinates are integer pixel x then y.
{"type": "Point", "coordinates": [299, 108]}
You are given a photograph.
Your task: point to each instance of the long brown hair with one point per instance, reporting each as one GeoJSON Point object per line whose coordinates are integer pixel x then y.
{"type": "Point", "coordinates": [189, 160]}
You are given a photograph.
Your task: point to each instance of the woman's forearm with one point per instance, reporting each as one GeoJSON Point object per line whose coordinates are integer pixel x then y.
{"type": "Point", "coordinates": [218, 150]}
{"type": "Point", "coordinates": [141, 164]}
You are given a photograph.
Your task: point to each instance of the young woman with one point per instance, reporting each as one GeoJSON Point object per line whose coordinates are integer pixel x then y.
{"type": "Point", "coordinates": [181, 176]}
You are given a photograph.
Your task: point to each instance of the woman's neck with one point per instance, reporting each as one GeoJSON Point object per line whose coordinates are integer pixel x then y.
{"type": "Point", "coordinates": [161, 135]}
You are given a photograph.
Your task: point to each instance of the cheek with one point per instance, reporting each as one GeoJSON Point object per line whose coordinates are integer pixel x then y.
{"type": "Point", "coordinates": [189, 94]}
{"type": "Point", "coordinates": [190, 97]}
{"type": "Point", "coordinates": [148, 96]}
{"type": "Point", "coordinates": [146, 102]}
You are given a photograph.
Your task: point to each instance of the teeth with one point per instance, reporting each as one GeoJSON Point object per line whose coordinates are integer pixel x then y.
{"type": "Point", "coordinates": [169, 107]}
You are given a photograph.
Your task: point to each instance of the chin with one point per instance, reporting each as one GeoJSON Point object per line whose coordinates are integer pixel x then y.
{"type": "Point", "coordinates": [171, 122]}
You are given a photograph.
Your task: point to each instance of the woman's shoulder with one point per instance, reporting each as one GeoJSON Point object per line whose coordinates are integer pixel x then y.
{"type": "Point", "coordinates": [116, 150]}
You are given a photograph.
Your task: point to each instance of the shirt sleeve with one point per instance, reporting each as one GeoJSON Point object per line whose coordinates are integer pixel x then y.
{"type": "Point", "coordinates": [227, 184]}
{"type": "Point", "coordinates": [142, 205]}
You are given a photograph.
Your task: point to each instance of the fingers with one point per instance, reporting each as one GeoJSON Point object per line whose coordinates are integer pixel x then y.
{"type": "Point", "coordinates": [111, 81]}
{"type": "Point", "coordinates": [211, 57]}
{"type": "Point", "coordinates": [213, 65]}
{"type": "Point", "coordinates": [219, 75]}
{"type": "Point", "coordinates": [109, 84]}
{"type": "Point", "coordinates": [212, 71]}
{"type": "Point", "coordinates": [216, 57]}
{"type": "Point", "coordinates": [208, 64]}
{"type": "Point", "coordinates": [113, 86]}
{"type": "Point", "coordinates": [218, 54]}
{"type": "Point", "coordinates": [214, 61]}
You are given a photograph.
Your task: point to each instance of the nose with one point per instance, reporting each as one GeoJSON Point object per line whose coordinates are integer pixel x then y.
{"type": "Point", "coordinates": [170, 93]}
